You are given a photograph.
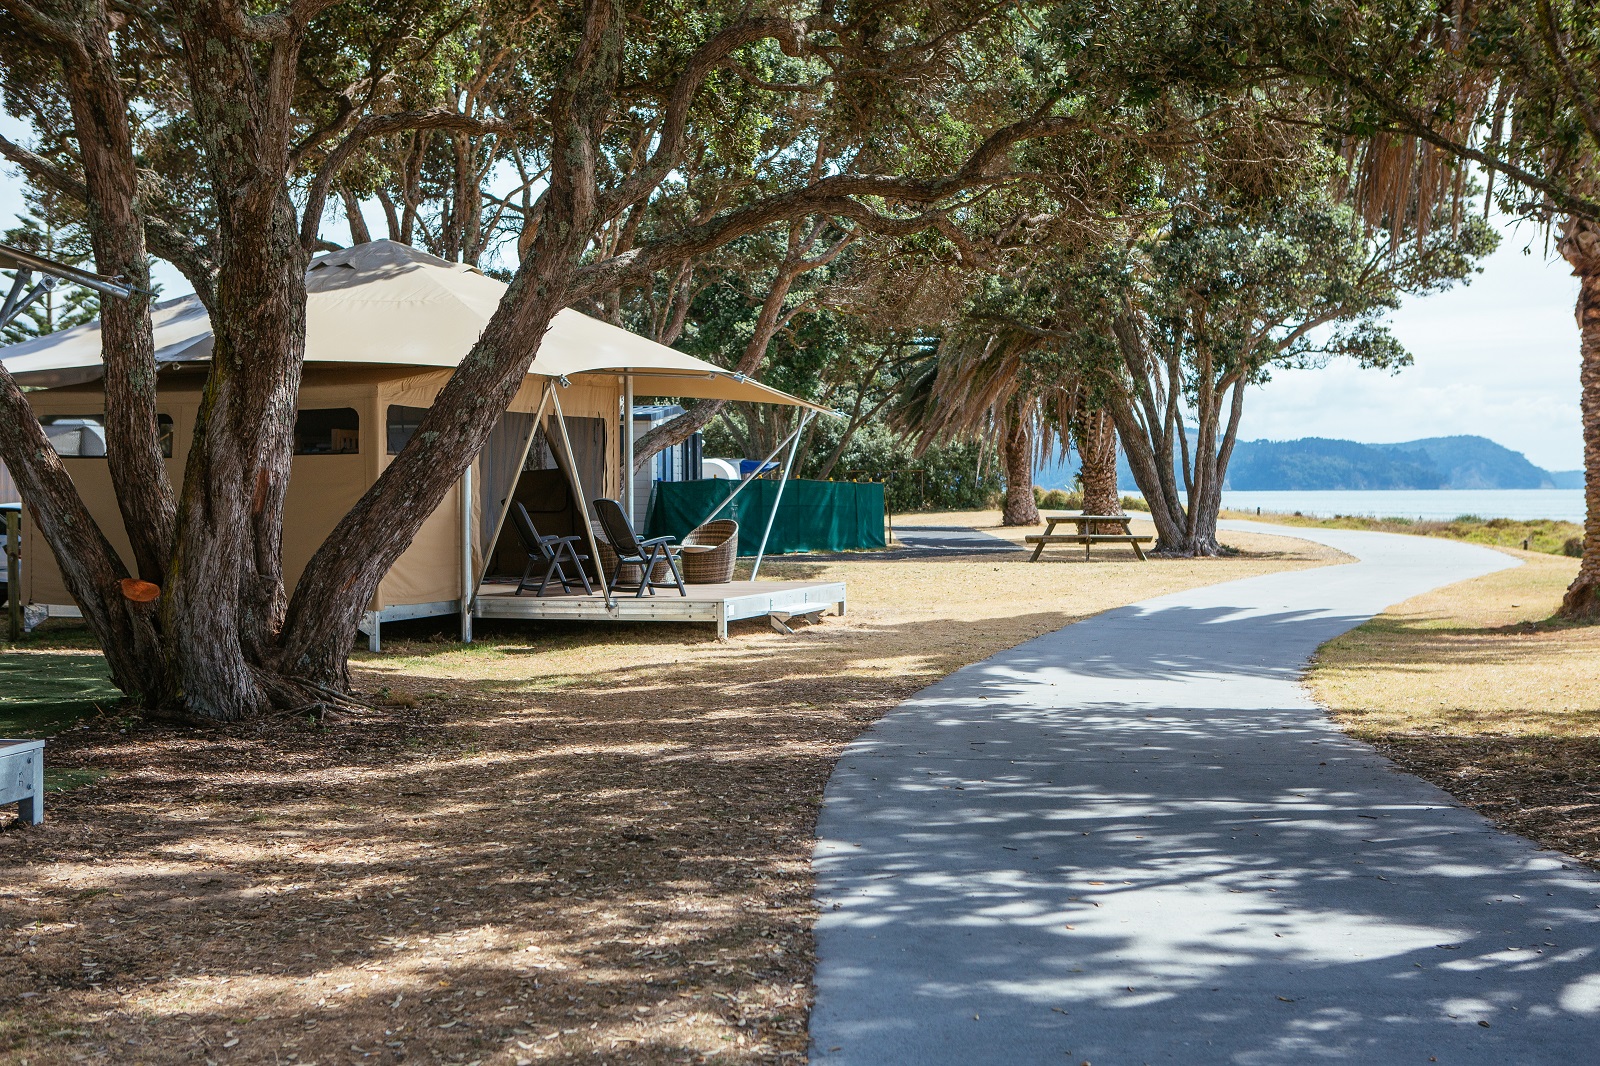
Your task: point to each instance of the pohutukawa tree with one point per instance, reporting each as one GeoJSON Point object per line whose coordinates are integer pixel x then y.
{"type": "Point", "coordinates": [1224, 295]}
{"type": "Point", "coordinates": [213, 134]}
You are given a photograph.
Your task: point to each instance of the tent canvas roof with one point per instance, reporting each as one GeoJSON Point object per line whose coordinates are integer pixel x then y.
{"type": "Point", "coordinates": [388, 304]}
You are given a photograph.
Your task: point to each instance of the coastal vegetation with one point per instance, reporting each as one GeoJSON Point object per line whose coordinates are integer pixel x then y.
{"type": "Point", "coordinates": [1152, 210]}
{"type": "Point", "coordinates": [1545, 535]}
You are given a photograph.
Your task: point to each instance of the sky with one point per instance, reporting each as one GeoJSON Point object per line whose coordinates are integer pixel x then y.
{"type": "Point", "coordinates": [1497, 357]}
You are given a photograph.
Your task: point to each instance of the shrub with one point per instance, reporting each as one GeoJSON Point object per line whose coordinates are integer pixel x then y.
{"type": "Point", "coordinates": [944, 478]}
{"type": "Point", "coordinates": [1573, 547]}
{"type": "Point", "coordinates": [1058, 500]}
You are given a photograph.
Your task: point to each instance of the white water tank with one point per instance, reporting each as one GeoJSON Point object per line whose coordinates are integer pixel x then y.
{"type": "Point", "coordinates": [723, 469]}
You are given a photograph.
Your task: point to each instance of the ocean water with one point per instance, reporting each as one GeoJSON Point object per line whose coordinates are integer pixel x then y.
{"type": "Point", "coordinates": [1431, 504]}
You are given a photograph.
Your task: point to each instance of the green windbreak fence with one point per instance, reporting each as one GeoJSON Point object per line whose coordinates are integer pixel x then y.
{"type": "Point", "coordinates": [813, 515]}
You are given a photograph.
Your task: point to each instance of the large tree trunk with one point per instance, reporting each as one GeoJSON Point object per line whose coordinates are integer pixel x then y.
{"type": "Point", "coordinates": [89, 565]}
{"type": "Point", "coordinates": [1094, 434]}
{"type": "Point", "coordinates": [224, 599]}
{"type": "Point", "coordinates": [1580, 244]}
{"type": "Point", "coordinates": [344, 573]}
{"type": "Point", "coordinates": [1020, 508]}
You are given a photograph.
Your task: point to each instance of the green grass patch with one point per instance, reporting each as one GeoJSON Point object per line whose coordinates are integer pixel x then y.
{"type": "Point", "coordinates": [42, 693]}
{"type": "Point", "coordinates": [63, 778]}
{"type": "Point", "coordinates": [1540, 534]}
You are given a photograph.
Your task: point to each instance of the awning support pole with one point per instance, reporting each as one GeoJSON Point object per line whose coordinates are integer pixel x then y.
{"type": "Point", "coordinates": [628, 487]}
{"type": "Point", "coordinates": [505, 504]}
{"type": "Point", "coordinates": [21, 297]}
{"type": "Point", "coordinates": [467, 586]}
{"type": "Point", "coordinates": [788, 465]}
{"type": "Point", "coordinates": [746, 480]}
{"type": "Point", "coordinates": [583, 502]}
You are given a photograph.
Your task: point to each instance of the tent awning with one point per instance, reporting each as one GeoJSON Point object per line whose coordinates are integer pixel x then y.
{"type": "Point", "coordinates": [388, 304]}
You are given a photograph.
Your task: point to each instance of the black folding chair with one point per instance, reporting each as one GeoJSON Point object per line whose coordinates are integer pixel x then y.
{"type": "Point", "coordinates": [631, 551]}
{"type": "Point", "coordinates": [547, 554]}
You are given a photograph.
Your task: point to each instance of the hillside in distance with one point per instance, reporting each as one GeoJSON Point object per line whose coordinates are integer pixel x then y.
{"type": "Point", "coordinates": [1319, 463]}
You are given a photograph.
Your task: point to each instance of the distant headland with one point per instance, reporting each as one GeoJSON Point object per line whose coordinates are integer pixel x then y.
{"type": "Point", "coordinates": [1320, 463]}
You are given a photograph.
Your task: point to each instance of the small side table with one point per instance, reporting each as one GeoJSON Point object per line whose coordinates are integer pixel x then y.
{"type": "Point", "coordinates": [22, 777]}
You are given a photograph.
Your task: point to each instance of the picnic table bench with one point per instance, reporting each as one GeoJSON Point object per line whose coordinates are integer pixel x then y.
{"type": "Point", "coordinates": [22, 777]}
{"type": "Point", "coordinates": [1084, 523]}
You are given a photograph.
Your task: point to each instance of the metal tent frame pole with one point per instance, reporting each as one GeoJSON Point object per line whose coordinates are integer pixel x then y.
{"type": "Point", "coordinates": [505, 504]}
{"type": "Point", "coordinates": [784, 443]}
{"type": "Point", "coordinates": [583, 502]}
{"type": "Point", "coordinates": [628, 489]}
{"type": "Point", "coordinates": [468, 588]}
{"type": "Point", "coordinates": [788, 465]}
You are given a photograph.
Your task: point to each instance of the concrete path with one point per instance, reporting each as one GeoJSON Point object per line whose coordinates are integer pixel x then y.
{"type": "Point", "coordinates": [1137, 840]}
{"type": "Point", "coordinates": [954, 539]}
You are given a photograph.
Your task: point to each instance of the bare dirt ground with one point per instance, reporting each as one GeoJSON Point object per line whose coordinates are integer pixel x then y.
{"type": "Point", "coordinates": [562, 844]}
{"type": "Point", "coordinates": [1475, 688]}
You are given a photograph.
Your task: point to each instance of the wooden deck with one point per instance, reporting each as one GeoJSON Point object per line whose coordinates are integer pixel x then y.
{"type": "Point", "coordinates": [721, 604]}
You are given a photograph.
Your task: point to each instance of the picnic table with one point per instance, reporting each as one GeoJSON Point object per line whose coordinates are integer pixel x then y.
{"type": "Point", "coordinates": [1085, 523]}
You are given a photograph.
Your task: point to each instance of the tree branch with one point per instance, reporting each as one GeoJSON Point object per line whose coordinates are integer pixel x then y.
{"type": "Point", "coordinates": [60, 31]}
{"type": "Point", "coordinates": [439, 118]}
{"type": "Point", "coordinates": [274, 26]}
{"type": "Point", "coordinates": [164, 238]}
{"type": "Point", "coordinates": [669, 138]}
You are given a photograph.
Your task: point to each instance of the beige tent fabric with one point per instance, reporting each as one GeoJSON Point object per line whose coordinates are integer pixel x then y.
{"type": "Point", "coordinates": [386, 326]}
{"type": "Point", "coordinates": [72, 356]}
{"type": "Point", "coordinates": [385, 303]}
{"type": "Point", "coordinates": [322, 488]}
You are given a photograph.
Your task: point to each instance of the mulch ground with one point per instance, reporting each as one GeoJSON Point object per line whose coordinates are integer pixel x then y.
{"type": "Point", "coordinates": [601, 882]}
{"type": "Point", "coordinates": [564, 844]}
{"type": "Point", "coordinates": [1546, 788]}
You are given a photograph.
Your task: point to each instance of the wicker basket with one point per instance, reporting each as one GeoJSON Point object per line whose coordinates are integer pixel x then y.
{"type": "Point", "coordinates": [708, 553]}
{"type": "Point", "coordinates": [630, 574]}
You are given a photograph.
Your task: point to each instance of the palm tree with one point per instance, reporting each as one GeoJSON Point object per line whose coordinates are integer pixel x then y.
{"type": "Point", "coordinates": [1094, 435]}
{"type": "Point", "coordinates": [1007, 386]}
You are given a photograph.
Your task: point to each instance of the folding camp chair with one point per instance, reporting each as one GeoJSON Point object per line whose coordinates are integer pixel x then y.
{"type": "Point", "coordinates": [547, 553]}
{"type": "Point", "coordinates": [631, 551]}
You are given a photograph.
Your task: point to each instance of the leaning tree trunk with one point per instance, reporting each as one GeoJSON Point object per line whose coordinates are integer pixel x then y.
{"type": "Point", "coordinates": [1094, 434]}
{"type": "Point", "coordinates": [1021, 509]}
{"type": "Point", "coordinates": [1580, 244]}
{"type": "Point", "coordinates": [94, 574]}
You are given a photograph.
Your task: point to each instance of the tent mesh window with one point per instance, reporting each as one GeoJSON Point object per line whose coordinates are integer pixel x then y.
{"type": "Point", "coordinates": [401, 425]}
{"type": "Point", "coordinates": [84, 436]}
{"type": "Point", "coordinates": [327, 431]}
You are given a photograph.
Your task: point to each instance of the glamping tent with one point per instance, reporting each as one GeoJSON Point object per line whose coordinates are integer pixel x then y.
{"type": "Point", "coordinates": [385, 325]}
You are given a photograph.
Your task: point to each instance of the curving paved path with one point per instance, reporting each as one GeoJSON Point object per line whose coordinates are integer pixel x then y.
{"type": "Point", "coordinates": [1137, 840]}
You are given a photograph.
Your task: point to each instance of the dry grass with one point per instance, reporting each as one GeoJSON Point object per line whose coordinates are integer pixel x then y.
{"type": "Point", "coordinates": [563, 844]}
{"type": "Point", "coordinates": [1474, 688]}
